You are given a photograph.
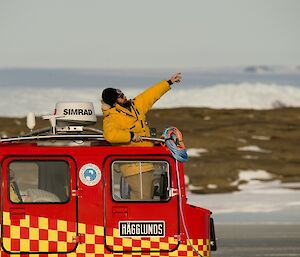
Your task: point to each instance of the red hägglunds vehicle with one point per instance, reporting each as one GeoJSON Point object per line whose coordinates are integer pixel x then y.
{"type": "Point", "coordinates": [62, 194]}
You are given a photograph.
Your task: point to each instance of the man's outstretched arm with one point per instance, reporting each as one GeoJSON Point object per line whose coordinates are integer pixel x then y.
{"type": "Point", "coordinates": [146, 99]}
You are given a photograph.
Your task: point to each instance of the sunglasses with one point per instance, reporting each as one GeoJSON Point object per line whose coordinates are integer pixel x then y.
{"type": "Point", "coordinates": [121, 95]}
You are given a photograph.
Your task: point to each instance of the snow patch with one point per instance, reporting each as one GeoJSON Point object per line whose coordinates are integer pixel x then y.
{"type": "Point", "coordinates": [196, 152]}
{"type": "Point", "coordinates": [250, 157]}
{"type": "Point", "coordinates": [17, 122]}
{"type": "Point", "coordinates": [242, 140]}
{"type": "Point", "coordinates": [192, 187]}
{"type": "Point", "coordinates": [261, 137]}
{"type": "Point", "coordinates": [212, 186]}
{"type": "Point", "coordinates": [186, 180]}
{"type": "Point", "coordinates": [260, 197]}
{"type": "Point", "coordinates": [3, 134]}
{"type": "Point", "coordinates": [254, 175]}
{"type": "Point", "coordinates": [253, 179]}
{"type": "Point", "coordinates": [253, 148]}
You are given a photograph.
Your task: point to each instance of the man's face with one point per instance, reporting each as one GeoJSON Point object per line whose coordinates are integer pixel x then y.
{"type": "Point", "coordinates": [122, 99]}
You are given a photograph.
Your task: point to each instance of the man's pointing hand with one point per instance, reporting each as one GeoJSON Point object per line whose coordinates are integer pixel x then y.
{"type": "Point", "coordinates": [176, 78]}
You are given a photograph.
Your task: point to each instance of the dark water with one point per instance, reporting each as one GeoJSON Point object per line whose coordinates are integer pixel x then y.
{"type": "Point", "coordinates": [258, 240]}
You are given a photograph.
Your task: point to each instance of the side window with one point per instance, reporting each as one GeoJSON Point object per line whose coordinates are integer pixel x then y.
{"type": "Point", "coordinates": [39, 181]}
{"type": "Point", "coordinates": [140, 180]}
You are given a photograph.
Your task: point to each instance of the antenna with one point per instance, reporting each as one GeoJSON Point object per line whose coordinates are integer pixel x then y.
{"type": "Point", "coordinates": [52, 119]}
{"type": "Point", "coordinates": [31, 120]}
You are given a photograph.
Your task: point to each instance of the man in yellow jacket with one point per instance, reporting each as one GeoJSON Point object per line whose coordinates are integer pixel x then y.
{"type": "Point", "coordinates": [124, 124]}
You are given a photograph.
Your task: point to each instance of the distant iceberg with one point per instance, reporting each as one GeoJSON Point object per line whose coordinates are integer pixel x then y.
{"type": "Point", "coordinates": [234, 96]}
{"type": "Point", "coordinates": [18, 101]}
{"type": "Point", "coordinates": [262, 69]}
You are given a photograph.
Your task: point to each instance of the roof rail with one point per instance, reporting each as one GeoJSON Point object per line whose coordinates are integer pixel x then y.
{"type": "Point", "coordinates": [88, 137]}
{"type": "Point", "coordinates": [54, 136]}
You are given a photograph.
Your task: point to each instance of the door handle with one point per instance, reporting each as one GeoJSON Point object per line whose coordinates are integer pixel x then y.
{"type": "Point", "coordinates": [120, 212]}
{"type": "Point", "coordinates": [17, 214]}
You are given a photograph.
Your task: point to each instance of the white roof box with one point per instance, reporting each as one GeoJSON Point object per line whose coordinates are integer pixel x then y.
{"type": "Point", "coordinates": [75, 113]}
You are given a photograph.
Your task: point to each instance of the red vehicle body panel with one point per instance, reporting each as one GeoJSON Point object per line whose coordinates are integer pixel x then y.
{"type": "Point", "coordinates": [87, 224]}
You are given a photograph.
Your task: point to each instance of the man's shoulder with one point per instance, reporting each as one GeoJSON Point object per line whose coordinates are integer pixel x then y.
{"type": "Point", "coordinates": [110, 111]}
{"type": "Point", "coordinates": [107, 109]}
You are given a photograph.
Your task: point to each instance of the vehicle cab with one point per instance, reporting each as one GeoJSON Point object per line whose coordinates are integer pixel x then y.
{"type": "Point", "coordinates": [63, 192]}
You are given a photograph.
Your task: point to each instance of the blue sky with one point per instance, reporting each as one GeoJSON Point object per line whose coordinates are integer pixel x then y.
{"type": "Point", "coordinates": [148, 34]}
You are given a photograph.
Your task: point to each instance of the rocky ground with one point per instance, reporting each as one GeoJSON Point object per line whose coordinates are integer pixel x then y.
{"type": "Point", "coordinates": [234, 140]}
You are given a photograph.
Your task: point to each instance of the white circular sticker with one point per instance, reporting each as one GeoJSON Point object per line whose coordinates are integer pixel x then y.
{"type": "Point", "coordinates": [90, 174]}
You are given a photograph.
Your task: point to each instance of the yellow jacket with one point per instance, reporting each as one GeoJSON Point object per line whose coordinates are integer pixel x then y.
{"type": "Point", "coordinates": [135, 168]}
{"type": "Point", "coordinates": [118, 121]}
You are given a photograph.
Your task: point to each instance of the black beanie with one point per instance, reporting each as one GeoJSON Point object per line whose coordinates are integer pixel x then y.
{"type": "Point", "coordinates": [110, 95]}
